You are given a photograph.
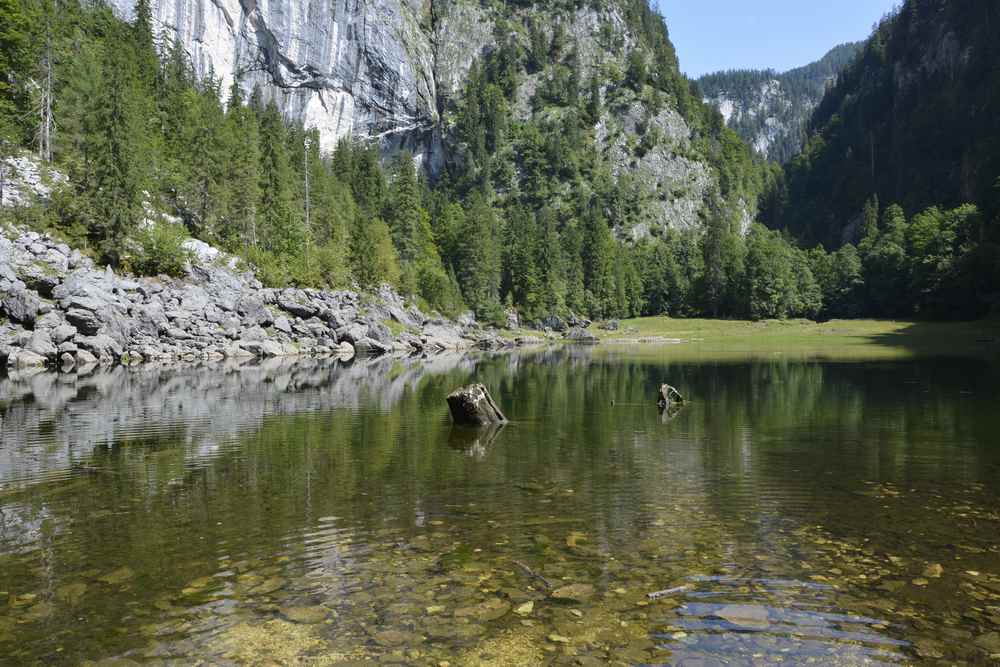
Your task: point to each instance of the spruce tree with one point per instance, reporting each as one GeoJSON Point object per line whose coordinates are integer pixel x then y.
{"type": "Point", "coordinates": [242, 180]}
{"type": "Point", "coordinates": [479, 270]}
{"type": "Point", "coordinates": [598, 264]}
{"type": "Point", "coordinates": [281, 225]}
{"type": "Point", "coordinates": [551, 264]}
{"type": "Point", "coordinates": [144, 41]}
{"type": "Point", "coordinates": [117, 168]}
{"type": "Point", "coordinates": [373, 256]}
{"type": "Point", "coordinates": [15, 59]}
{"type": "Point", "coordinates": [520, 259]}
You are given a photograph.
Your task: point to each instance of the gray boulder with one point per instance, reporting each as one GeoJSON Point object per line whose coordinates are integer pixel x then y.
{"type": "Point", "coordinates": [40, 278]}
{"type": "Point", "coordinates": [352, 333]}
{"type": "Point", "coordinates": [103, 347]}
{"type": "Point", "coordinates": [24, 359]}
{"type": "Point", "coordinates": [380, 332]}
{"type": "Point", "coordinates": [282, 324]}
{"type": "Point", "coordinates": [582, 336]}
{"type": "Point", "coordinates": [87, 322]}
{"type": "Point", "coordinates": [254, 311]}
{"type": "Point", "coordinates": [20, 305]}
{"type": "Point", "coordinates": [371, 347]}
{"type": "Point", "coordinates": [473, 406]}
{"type": "Point", "coordinates": [553, 322]}
{"type": "Point", "coordinates": [42, 345]}
{"type": "Point", "coordinates": [63, 333]}
{"type": "Point", "coordinates": [150, 318]}
{"type": "Point", "coordinates": [84, 358]}
{"type": "Point", "coordinates": [297, 304]}
{"type": "Point", "coordinates": [262, 348]}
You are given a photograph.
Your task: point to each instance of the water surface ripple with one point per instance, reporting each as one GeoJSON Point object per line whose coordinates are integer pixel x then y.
{"type": "Point", "coordinates": [796, 511]}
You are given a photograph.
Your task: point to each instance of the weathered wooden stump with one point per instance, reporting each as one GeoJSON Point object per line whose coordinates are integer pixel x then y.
{"type": "Point", "coordinates": [669, 397]}
{"type": "Point", "coordinates": [473, 406]}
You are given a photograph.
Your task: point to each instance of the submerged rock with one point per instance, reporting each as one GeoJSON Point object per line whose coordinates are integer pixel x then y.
{"type": "Point", "coordinates": [305, 615]}
{"type": "Point", "coordinates": [573, 593]}
{"type": "Point", "coordinates": [489, 610]}
{"type": "Point", "coordinates": [744, 615]}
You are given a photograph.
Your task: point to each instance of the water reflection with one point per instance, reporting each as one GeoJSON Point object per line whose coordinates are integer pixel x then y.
{"type": "Point", "coordinates": [329, 512]}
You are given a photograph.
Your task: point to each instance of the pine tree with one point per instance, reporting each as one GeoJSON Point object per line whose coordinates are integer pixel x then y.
{"type": "Point", "coordinates": [520, 257]}
{"type": "Point", "coordinates": [117, 168]}
{"type": "Point", "coordinates": [479, 270]}
{"type": "Point", "coordinates": [242, 180]}
{"type": "Point", "coordinates": [14, 60]}
{"type": "Point", "coordinates": [281, 225]}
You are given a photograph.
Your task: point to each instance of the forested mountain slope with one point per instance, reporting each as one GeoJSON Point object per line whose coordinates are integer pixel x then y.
{"type": "Point", "coordinates": [914, 120]}
{"type": "Point", "coordinates": [771, 110]}
{"type": "Point", "coordinates": [903, 160]}
{"type": "Point", "coordinates": [561, 143]}
{"type": "Point", "coordinates": [397, 72]}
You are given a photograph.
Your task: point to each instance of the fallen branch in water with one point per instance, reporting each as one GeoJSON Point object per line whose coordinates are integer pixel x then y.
{"type": "Point", "coordinates": [670, 591]}
{"type": "Point", "coordinates": [533, 575]}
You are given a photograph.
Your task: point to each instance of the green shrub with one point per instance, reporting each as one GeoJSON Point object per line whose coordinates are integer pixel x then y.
{"type": "Point", "coordinates": [161, 250]}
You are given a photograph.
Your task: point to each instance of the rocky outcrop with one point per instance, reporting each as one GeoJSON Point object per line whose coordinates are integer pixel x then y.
{"type": "Point", "coordinates": [350, 68]}
{"type": "Point", "coordinates": [770, 110]}
{"type": "Point", "coordinates": [58, 309]}
{"type": "Point", "coordinates": [393, 72]}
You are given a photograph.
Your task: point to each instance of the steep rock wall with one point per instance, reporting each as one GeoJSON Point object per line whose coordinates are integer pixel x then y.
{"type": "Point", "coordinates": [347, 67]}
{"type": "Point", "coordinates": [393, 71]}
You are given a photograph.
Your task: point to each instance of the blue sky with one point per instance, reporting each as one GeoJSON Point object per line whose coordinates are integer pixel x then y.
{"type": "Point", "coordinates": [729, 34]}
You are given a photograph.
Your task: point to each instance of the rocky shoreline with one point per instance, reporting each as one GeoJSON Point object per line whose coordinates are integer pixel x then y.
{"type": "Point", "coordinates": [59, 310]}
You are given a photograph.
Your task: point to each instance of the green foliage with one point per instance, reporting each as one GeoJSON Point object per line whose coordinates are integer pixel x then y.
{"type": "Point", "coordinates": [160, 250]}
{"type": "Point", "coordinates": [15, 58]}
{"type": "Point", "coordinates": [528, 213]}
{"type": "Point", "coordinates": [117, 170]}
{"type": "Point", "coordinates": [912, 120]}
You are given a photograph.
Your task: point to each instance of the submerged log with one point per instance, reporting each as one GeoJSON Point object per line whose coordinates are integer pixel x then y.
{"type": "Point", "coordinates": [473, 406]}
{"type": "Point", "coordinates": [669, 397]}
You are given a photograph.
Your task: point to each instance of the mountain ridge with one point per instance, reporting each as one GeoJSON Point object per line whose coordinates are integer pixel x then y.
{"type": "Point", "coordinates": [771, 109]}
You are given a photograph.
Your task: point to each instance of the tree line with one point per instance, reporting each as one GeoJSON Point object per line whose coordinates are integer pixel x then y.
{"type": "Point", "coordinates": [527, 214]}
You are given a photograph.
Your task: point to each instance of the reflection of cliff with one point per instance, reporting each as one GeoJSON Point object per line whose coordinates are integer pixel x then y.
{"type": "Point", "coordinates": [51, 421]}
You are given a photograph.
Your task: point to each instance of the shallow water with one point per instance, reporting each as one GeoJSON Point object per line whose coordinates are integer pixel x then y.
{"type": "Point", "coordinates": [797, 511]}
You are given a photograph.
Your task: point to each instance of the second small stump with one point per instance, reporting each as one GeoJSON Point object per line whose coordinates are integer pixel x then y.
{"type": "Point", "coordinates": [669, 397]}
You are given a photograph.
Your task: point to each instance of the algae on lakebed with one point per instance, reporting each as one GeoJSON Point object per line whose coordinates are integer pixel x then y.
{"type": "Point", "coordinates": [799, 509]}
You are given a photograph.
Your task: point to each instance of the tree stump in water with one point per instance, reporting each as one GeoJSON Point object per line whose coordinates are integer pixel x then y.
{"type": "Point", "coordinates": [473, 406]}
{"type": "Point", "coordinates": [669, 397]}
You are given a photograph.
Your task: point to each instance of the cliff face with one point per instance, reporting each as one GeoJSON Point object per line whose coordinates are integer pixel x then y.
{"type": "Point", "coordinates": [393, 71]}
{"type": "Point", "coordinates": [347, 67]}
{"type": "Point", "coordinates": [770, 110]}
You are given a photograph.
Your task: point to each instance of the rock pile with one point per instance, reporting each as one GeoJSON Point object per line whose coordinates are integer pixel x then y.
{"type": "Point", "coordinates": [58, 309]}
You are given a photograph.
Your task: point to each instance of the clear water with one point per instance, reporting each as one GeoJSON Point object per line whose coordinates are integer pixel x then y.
{"type": "Point", "coordinates": [797, 510]}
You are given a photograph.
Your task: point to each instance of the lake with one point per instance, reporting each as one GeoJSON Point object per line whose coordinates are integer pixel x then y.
{"type": "Point", "coordinates": [798, 509]}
